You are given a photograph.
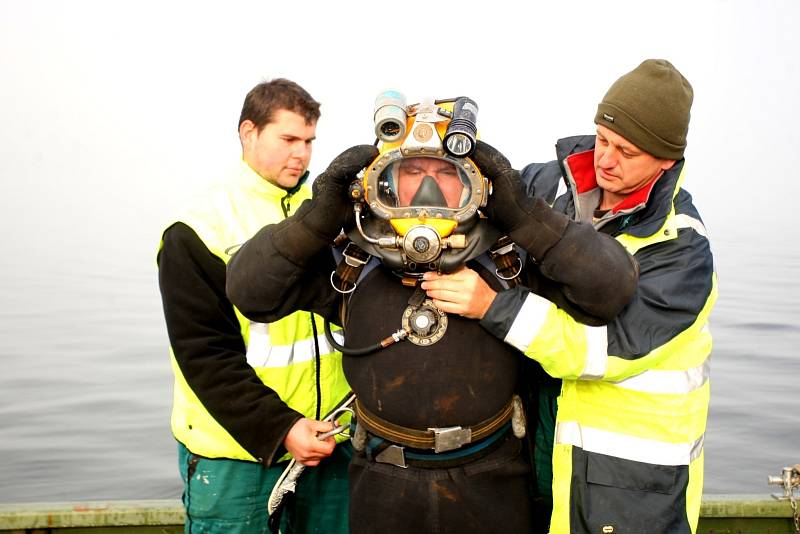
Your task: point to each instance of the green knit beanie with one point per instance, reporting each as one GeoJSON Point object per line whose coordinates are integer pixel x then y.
{"type": "Point", "coordinates": [649, 106]}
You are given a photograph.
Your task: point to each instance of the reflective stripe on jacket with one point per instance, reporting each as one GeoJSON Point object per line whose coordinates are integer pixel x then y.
{"type": "Point", "coordinates": [290, 356]}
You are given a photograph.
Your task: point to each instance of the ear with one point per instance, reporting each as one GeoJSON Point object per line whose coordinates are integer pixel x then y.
{"type": "Point", "coordinates": [247, 129]}
{"type": "Point", "coordinates": [666, 164]}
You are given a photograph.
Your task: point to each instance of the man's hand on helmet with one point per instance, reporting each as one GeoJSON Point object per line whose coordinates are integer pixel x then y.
{"type": "Point", "coordinates": [319, 220]}
{"type": "Point", "coordinates": [530, 222]}
{"type": "Point", "coordinates": [330, 203]}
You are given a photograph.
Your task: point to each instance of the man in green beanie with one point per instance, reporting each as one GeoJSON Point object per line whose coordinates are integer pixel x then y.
{"type": "Point", "coordinates": [627, 439]}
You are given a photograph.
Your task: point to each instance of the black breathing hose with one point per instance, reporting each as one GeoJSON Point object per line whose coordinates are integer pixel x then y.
{"type": "Point", "coordinates": [344, 350]}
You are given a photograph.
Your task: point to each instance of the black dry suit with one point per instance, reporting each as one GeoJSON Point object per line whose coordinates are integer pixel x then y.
{"type": "Point", "coordinates": [465, 380]}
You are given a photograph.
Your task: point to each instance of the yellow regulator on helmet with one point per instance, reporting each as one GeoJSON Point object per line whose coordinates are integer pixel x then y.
{"type": "Point", "coordinates": [417, 204]}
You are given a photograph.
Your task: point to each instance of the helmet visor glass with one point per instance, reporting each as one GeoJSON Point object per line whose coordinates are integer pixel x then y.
{"type": "Point", "coordinates": [424, 182]}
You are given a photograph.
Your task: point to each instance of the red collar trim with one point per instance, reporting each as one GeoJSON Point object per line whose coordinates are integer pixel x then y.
{"type": "Point", "coordinates": [581, 167]}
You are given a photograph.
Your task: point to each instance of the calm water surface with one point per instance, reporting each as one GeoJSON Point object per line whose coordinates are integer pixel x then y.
{"type": "Point", "coordinates": [85, 385]}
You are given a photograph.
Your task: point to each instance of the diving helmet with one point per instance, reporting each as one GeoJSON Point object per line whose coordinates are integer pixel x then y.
{"type": "Point", "coordinates": [417, 204]}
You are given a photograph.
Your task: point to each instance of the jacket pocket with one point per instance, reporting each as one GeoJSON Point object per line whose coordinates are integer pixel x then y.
{"type": "Point", "coordinates": [618, 473]}
{"type": "Point", "coordinates": [619, 496]}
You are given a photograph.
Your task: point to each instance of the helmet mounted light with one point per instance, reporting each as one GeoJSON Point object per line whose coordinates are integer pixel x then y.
{"type": "Point", "coordinates": [461, 135]}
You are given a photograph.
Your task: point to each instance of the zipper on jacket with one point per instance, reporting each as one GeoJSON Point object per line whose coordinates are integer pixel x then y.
{"type": "Point", "coordinates": [286, 201]}
{"type": "Point", "coordinates": [286, 204]}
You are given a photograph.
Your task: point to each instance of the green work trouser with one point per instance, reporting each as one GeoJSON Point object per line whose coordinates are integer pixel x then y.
{"type": "Point", "coordinates": [545, 436]}
{"type": "Point", "coordinates": [230, 496]}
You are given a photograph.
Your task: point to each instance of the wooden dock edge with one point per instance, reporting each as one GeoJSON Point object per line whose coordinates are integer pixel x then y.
{"type": "Point", "coordinates": [152, 515]}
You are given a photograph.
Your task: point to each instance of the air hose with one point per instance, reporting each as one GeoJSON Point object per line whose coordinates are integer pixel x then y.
{"type": "Point", "coordinates": [394, 338]}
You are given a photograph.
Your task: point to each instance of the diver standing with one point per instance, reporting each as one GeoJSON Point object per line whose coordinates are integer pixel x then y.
{"type": "Point", "coordinates": [439, 433]}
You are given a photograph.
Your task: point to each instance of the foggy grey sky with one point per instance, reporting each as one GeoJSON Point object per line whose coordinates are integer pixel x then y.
{"type": "Point", "coordinates": [110, 110]}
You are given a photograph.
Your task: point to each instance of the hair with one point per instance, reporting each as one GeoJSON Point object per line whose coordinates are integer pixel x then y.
{"type": "Point", "coordinates": [267, 98]}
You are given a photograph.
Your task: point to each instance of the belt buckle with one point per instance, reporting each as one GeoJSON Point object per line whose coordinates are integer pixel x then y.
{"type": "Point", "coordinates": [450, 438]}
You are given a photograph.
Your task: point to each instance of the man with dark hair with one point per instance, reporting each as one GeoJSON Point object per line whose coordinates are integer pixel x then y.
{"type": "Point", "coordinates": [249, 396]}
{"type": "Point", "coordinates": [631, 418]}
{"type": "Point", "coordinates": [266, 99]}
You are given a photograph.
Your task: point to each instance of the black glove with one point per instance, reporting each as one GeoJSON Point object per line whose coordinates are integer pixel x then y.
{"type": "Point", "coordinates": [530, 222]}
{"type": "Point", "coordinates": [595, 275]}
{"type": "Point", "coordinates": [318, 221]}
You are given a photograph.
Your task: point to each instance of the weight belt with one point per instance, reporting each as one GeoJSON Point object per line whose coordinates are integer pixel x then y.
{"type": "Point", "coordinates": [438, 439]}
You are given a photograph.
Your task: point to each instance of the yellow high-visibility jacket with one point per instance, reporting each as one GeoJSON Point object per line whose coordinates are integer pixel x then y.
{"type": "Point", "coordinates": [239, 385]}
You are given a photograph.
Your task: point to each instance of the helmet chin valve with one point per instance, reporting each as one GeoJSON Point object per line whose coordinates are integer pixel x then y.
{"type": "Point", "coordinates": [422, 244]}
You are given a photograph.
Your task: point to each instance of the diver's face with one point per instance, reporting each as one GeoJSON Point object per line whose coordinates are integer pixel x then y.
{"type": "Point", "coordinates": [413, 170]}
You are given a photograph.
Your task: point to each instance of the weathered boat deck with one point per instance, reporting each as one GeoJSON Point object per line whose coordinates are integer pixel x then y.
{"type": "Point", "coordinates": [720, 514]}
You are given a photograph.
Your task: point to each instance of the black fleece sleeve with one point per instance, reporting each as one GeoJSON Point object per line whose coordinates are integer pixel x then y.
{"type": "Point", "coordinates": [208, 346]}
{"type": "Point", "coordinates": [266, 285]}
